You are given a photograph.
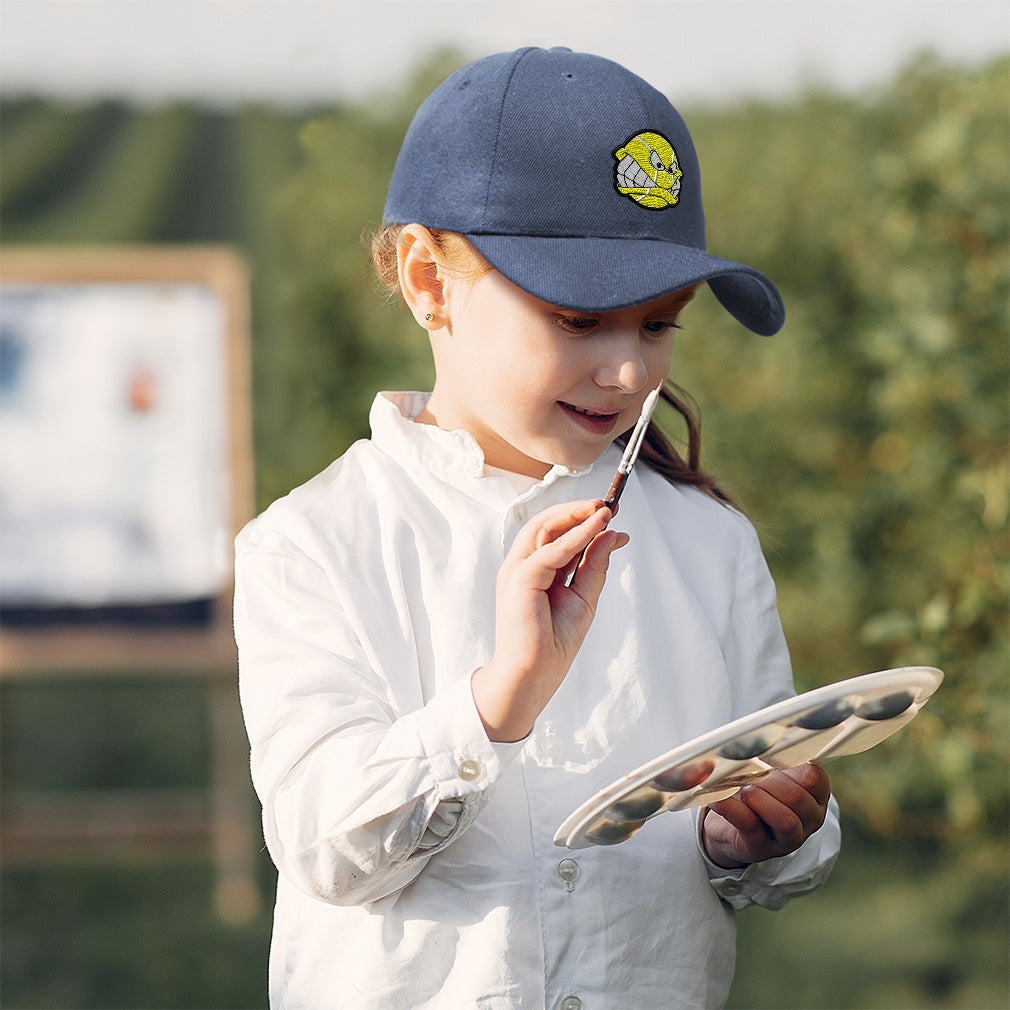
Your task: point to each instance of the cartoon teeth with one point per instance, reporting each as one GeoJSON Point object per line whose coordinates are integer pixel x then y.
{"type": "Point", "coordinates": [647, 171]}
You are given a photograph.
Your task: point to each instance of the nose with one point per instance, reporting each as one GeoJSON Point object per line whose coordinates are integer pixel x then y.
{"type": "Point", "coordinates": [622, 365]}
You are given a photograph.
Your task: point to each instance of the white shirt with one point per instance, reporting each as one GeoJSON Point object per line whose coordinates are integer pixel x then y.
{"type": "Point", "coordinates": [417, 863]}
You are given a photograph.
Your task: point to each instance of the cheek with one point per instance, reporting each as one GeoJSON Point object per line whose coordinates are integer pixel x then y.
{"type": "Point", "coordinates": [505, 388]}
{"type": "Point", "coordinates": [658, 359]}
{"type": "Point", "coordinates": [535, 366]}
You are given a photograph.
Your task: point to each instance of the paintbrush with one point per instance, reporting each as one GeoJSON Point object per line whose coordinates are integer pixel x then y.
{"type": "Point", "coordinates": [631, 450]}
{"type": "Point", "coordinates": [627, 461]}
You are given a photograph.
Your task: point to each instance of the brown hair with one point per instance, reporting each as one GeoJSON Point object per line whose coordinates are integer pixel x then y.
{"type": "Point", "coordinates": [657, 452]}
{"type": "Point", "coordinates": [458, 256]}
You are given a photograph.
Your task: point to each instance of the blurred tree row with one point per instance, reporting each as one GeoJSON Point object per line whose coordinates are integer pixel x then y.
{"type": "Point", "coordinates": [868, 440]}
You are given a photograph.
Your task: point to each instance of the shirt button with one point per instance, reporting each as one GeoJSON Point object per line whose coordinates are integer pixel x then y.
{"type": "Point", "coordinates": [570, 1003]}
{"type": "Point", "coordinates": [731, 887]}
{"type": "Point", "coordinates": [469, 771]}
{"type": "Point", "coordinates": [569, 870]}
{"type": "Point", "coordinates": [521, 513]}
{"type": "Point", "coordinates": [551, 746]}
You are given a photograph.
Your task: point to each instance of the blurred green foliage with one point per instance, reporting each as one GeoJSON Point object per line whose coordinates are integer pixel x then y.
{"type": "Point", "coordinates": [871, 434]}
{"type": "Point", "coordinates": [868, 441]}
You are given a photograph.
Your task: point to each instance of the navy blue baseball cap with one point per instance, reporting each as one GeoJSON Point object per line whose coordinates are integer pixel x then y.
{"type": "Point", "coordinates": [575, 179]}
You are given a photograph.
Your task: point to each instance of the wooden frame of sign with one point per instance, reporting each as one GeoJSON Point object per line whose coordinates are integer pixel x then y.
{"type": "Point", "coordinates": [145, 640]}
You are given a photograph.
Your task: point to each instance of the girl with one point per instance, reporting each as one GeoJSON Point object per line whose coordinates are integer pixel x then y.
{"type": "Point", "coordinates": [433, 680]}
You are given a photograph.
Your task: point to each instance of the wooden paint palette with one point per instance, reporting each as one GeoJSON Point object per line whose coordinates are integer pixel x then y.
{"type": "Point", "coordinates": [818, 726]}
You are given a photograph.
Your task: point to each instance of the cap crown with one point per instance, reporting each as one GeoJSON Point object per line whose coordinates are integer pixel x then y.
{"type": "Point", "coordinates": [527, 143]}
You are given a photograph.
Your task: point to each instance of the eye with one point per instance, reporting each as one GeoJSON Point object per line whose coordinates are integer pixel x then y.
{"type": "Point", "coordinates": [657, 162]}
{"type": "Point", "coordinates": [658, 327]}
{"type": "Point", "coordinates": [577, 324]}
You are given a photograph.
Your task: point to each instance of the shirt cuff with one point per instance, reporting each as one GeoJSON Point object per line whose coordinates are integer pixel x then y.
{"type": "Point", "coordinates": [772, 882]}
{"type": "Point", "coordinates": [462, 759]}
{"type": "Point", "coordinates": [466, 764]}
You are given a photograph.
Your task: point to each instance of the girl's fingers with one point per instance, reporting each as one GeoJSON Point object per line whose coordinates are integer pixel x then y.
{"type": "Point", "coordinates": [737, 813]}
{"type": "Point", "coordinates": [561, 527]}
{"type": "Point", "coordinates": [591, 573]}
{"type": "Point", "coordinates": [776, 815]}
{"type": "Point", "coordinates": [552, 543]}
{"type": "Point", "coordinates": [812, 779]}
{"type": "Point", "coordinates": [565, 547]}
{"type": "Point", "coordinates": [790, 795]}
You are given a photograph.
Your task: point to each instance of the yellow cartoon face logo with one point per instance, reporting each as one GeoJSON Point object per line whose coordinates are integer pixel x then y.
{"type": "Point", "coordinates": [647, 171]}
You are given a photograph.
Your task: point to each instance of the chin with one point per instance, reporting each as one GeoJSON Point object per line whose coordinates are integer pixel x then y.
{"type": "Point", "coordinates": [561, 454]}
{"type": "Point", "coordinates": [577, 461]}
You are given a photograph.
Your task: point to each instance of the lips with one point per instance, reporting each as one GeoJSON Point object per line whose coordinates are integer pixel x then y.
{"type": "Point", "coordinates": [595, 421]}
{"type": "Point", "coordinates": [587, 412]}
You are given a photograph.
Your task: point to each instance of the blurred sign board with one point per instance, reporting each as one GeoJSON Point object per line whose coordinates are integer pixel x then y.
{"type": "Point", "coordinates": [125, 454]}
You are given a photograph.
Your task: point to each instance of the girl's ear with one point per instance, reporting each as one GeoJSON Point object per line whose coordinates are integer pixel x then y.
{"type": "Point", "coordinates": [422, 276]}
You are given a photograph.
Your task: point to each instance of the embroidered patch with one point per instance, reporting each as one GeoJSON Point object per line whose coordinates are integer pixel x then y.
{"type": "Point", "coordinates": [647, 171]}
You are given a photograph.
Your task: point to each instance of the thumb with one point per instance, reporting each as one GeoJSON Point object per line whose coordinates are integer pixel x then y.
{"type": "Point", "coordinates": [591, 574]}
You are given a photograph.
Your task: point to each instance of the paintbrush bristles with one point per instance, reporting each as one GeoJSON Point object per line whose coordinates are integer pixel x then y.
{"type": "Point", "coordinates": [638, 434]}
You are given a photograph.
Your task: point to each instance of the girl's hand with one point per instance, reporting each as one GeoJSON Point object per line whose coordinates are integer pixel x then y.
{"type": "Point", "coordinates": [539, 621]}
{"type": "Point", "coordinates": [771, 818]}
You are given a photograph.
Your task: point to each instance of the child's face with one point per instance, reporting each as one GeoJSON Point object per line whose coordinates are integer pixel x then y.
{"type": "Point", "coordinates": [538, 385]}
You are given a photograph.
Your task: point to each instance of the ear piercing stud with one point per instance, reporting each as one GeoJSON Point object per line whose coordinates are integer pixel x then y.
{"type": "Point", "coordinates": [428, 317]}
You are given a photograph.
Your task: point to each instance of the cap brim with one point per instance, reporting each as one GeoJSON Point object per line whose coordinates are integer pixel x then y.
{"type": "Point", "coordinates": [605, 274]}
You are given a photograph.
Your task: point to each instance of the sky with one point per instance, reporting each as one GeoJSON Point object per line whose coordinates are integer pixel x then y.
{"type": "Point", "coordinates": [296, 52]}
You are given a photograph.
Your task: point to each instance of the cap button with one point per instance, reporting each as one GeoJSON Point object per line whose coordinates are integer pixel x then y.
{"type": "Point", "coordinates": [559, 49]}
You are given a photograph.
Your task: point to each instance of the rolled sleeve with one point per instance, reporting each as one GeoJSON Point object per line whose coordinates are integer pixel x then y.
{"type": "Point", "coordinates": [358, 790]}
